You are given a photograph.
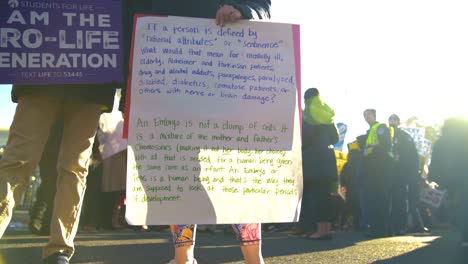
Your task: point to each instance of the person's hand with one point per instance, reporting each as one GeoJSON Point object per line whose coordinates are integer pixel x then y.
{"type": "Point", "coordinates": [227, 13]}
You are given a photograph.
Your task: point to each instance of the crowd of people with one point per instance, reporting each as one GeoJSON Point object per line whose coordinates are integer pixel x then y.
{"type": "Point", "coordinates": [385, 179]}
{"type": "Point", "coordinates": [56, 130]}
{"type": "Point", "coordinates": [380, 183]}
{"type": "Point", "coordinates": [382, 180]}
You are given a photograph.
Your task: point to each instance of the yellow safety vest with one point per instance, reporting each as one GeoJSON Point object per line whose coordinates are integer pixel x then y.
{"type": "Point", "coordinates": [372, 138]}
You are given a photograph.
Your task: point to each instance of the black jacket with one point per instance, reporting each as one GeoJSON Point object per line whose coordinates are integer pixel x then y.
{"type": "Point", "coordinates": [318, 159]}
{"type": "Point", "coordinates": [406, 156]}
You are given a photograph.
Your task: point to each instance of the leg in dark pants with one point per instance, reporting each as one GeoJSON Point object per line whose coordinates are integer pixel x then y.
{"type": "Point", "coordinates": [307, 220]}
{"type": "Point", "coordinates": [399, 214]}
{"type": "Point", "coordinates": [41, 211]}
{"type": "Point", "coordinates": [377, 182]}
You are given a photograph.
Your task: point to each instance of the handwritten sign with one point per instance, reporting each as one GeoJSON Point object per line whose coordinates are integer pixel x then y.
{"type": "Point", "coordinates": [60, 41]}
{"type": "Point", "coordinates": [214, 133]}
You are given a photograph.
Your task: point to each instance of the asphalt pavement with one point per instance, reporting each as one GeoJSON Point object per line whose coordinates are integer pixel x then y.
{"type": "Point", "coordinates": [134, 247]}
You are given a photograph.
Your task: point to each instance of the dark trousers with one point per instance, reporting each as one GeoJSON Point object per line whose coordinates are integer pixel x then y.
{"type": "Point", "coordinates": [416, 209]}
{"type": "Point", "coordinates": [377, 175]}
{"type": "Point", "coordinates": [317, 205]}
{"type": "Point", "coordinates": [378, 213]}
{"type": "Point", "coordinates": [463, 211]}
{"type": "Point", "coordinates": [399, 208]}
{"type": "Point", "coordinates": [91, 212]}
{"type": "Point", "coordinates": [41, 211]}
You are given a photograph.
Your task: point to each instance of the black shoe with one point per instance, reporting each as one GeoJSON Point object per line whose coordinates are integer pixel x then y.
{"type": "Point", "coordinates": [57, 258]}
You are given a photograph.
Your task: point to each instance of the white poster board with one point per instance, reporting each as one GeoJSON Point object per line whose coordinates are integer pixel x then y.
{"type": "Point", "coordinates": [213, 130]}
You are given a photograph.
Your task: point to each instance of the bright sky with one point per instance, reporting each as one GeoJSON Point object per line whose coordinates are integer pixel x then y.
{"type": "Point", "coordinates": [408, 57]}
{"type": "Point", "coordinates": [7, 108]}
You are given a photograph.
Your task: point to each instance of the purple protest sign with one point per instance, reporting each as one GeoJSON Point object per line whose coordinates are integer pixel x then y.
{"type": "Point", "coordinates": [60, 41]}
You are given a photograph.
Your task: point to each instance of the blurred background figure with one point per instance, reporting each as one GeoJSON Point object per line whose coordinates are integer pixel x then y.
{"type": "Point", "coordinates": [349, 179]}
{"type": "Point", "coordinates": [113, 188]}
{"type": "Point", "coordinates": [406, 170]}
{"type": "Point", "coordinates": [448, 169]}
{"type": "Point", "coordinates": [113, 151]}
{"type": "Point", "coordinates": [92, 216]}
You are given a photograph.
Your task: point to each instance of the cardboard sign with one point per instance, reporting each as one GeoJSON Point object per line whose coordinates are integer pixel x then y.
{"type": "Point", "coordinates": [431, 196]}
{"type": "Point", "coordinates": [214, 131]}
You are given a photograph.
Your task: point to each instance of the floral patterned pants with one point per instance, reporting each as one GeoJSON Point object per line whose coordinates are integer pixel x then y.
{"type": "Point", "coordinates": [247, 234]}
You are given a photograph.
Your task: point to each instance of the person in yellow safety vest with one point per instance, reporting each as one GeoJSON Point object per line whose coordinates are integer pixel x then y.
{"type": "Point", "coordinates": [377, 171]}
{"type": "Point", "coordinates": [378, 136]}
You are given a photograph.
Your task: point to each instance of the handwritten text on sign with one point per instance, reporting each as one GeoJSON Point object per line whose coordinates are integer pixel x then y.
{"type": "Point", "coordinates": [213, 134]}
{"type": "Point", "coordinates": [60, 41]}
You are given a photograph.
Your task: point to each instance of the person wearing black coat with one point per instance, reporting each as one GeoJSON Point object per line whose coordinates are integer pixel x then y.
{"type": "Point", "coordinates": [448, 169]}
{"type": "Point", "coordinates": [319, 168]}
{"type": "Point", "coordinates": [320, 177]}
{"type": "Point", "coordinates": [405, 174]}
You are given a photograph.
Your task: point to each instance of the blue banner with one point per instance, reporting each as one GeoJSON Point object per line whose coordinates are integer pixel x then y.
{"type": "Point", "coordinates": [60, 41]}
{"type": "Point", "coordinates": [342, 129]}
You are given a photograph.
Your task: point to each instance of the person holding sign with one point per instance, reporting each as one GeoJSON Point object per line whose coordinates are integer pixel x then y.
{"type": "Point", "coordinates": [39, 107]}
{"type": "Point", "coordinates": [224, 11]}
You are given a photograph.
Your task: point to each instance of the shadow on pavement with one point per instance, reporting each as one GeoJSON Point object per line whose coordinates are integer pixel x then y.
{"type": "Point", "coordinates": [444, 249]}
